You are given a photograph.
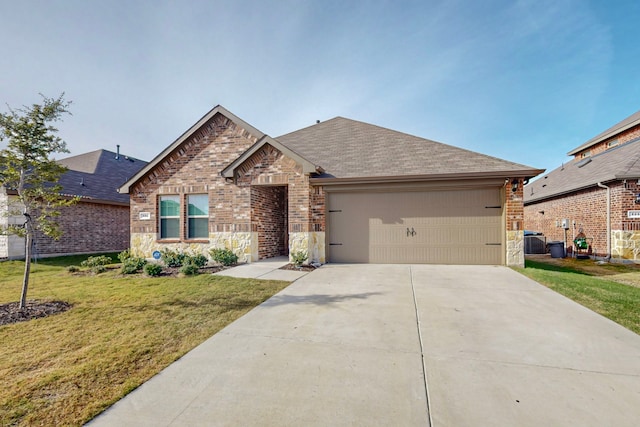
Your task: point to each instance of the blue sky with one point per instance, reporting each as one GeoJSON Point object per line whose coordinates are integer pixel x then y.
{"type": "Point", "coordinates": [525, 81]}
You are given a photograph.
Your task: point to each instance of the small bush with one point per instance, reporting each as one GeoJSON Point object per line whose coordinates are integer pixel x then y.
{"type": "Point", "coordinates": [132, 265]}
{"type": "Point", "coordinates": [97, 263]}
{"type": "Point", "coordinates": [172, 258]}
{"type": "Point", "coordinates": [189, 269]}
{"type": "Point", "coordinates": [197, 260]}
{"type": "Point", "coordinates": [99, 269]}
{"type": "Point", "coordinates": [223, 256]}
{"type": "Point", "coordinates": [124, 255]}
{"type": "Point", "coordinates": [298, 258]}
{"type": "Point", "coordinates": [153, 269]}
{"type": "Point", "coordinates": [94, 261]}
{"type": "Point", "coordinates": [73, 269]}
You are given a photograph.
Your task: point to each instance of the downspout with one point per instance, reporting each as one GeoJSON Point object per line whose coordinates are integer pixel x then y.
{"type": "Point", "coordinates": [601, 185]}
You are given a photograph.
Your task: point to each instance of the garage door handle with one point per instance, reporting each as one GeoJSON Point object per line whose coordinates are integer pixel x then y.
{"type": "Point", "coordinates": [411, 232]}
{"type": "Point", "coordinates": [335, 244]}
{"type": "Point", "coordinates": [493, 244]}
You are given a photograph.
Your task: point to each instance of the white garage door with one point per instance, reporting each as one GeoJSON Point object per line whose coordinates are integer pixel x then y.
{"type": "Point", "coordinates": [429, 227]}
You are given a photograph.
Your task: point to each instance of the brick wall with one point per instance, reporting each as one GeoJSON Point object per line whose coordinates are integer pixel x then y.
{"type": "Point", "coordinates": [623, 199]}
{"type": "Point", "coordinates": [269, 194]}
{"type": "Point", "coordinates": [628, 135]}
{"type": "Point", "coordinates": [318, 216]}
{"type": "Point", "coordinates": [194, 167]}
{"type": "Point", "coordinates": [88, 228]}
{"type": "Point", "coordinates": [586, 210]}
{"type": "Point", "coordinates": [268, 167]}
{"type": "Point", "coordinates": [513, 205]}
{"type": "Point", "coordinates": [269, 215]}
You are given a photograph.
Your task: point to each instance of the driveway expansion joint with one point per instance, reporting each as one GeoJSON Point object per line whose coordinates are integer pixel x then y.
{"type": "Point", "coordinates": [424, 366]}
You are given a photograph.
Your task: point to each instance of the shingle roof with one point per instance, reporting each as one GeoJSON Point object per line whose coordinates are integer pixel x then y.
{"type": "Point", "coordinates": [622, 162]}
{"type": "Point", "coordinates": [347, 148]}
{"type": "Point", "coordinates": [98, 174]}
{"type": "Point", "coordinates": [625, 124]}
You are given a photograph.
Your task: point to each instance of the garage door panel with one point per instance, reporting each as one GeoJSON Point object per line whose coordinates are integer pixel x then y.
{"type": "Point", "coordinates": [444, 227]}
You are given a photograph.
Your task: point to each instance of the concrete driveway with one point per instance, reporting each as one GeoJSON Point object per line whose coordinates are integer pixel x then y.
{"type": "Point", "coordinates": [402, 345]}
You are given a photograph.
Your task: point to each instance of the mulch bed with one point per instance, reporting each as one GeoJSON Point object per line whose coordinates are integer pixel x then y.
{"type": "Point", "coordinates": [11, 312]}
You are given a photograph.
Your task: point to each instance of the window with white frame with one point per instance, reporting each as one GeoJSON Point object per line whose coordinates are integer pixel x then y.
{"type": "Point", "coordinates": [197, 216]}
{"type": "Point", "coordinates": [169, 217]}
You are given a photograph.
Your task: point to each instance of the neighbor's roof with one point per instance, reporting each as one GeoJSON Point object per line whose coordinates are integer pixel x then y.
{"type": "Point", "coordinates": [621, 162]}
{"type": "Point", "coordinates": [346, 148]}
{"type": "Point", "coordinates": [627, 123]}
{"type": "Point", "coordinates": [98, 174]}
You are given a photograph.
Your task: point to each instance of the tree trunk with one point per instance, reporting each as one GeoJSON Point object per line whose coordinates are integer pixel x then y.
{"type": "Point", "coordinates": [27, 266]}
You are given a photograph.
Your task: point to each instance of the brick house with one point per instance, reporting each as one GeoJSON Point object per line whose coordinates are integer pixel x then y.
{"type": "Point", "coordinates": [340, 190]}
{"type": "Point", "coordinates": [597, 192]}
{"type": "Point", "coordinates": [99, 222]}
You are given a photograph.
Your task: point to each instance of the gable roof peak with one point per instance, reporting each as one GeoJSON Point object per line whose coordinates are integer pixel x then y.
{"type": "Point", "coordinates": [218, 109]}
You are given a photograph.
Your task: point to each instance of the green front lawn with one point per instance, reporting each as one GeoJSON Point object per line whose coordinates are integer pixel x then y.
{"type": "Point", "coordinates": [122, 330]}
{"type": "Point", "coordinates": [610, 290]}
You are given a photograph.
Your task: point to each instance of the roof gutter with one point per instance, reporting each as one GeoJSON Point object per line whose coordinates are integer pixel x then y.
{"type": "Point", "coordinates": [424, 178]}
{"type": "Point", "coordinates": [562, 193]}
{"type": "Point", "coordinates": [601, 185]}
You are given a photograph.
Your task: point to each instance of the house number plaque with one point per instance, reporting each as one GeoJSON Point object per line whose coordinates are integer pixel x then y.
{"type": "Point", "coordinates": [633, 214]}
{"type": "Point", "coordinates": [144, 215]}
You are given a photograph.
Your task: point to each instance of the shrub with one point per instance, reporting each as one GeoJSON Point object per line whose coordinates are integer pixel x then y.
{"type": "Point", "coordinates": [223, 256]}
{"type": "Point", "coordinates": [153, 269]}
{"type": "Point", "coordinates": [197, 260]}
{"type": "Point", "coordinates": [124, 255]}
{"type": "Point", "coordinates": [99, 269]}
{"type": "Point", "coordinates": [172, 258]}
{"type": "Point", "coordinates": [97, 263]}
{"type": "Point", "coordinates": [73, 269]}
{"type": "Point", "coordinates": [94, 261]}
{"type": "Point", "coordinates": [189, 269]}
{"type": "Point", "coordinates": [298, 258]}
{"type": "Point", "coordinates": [133, 265]}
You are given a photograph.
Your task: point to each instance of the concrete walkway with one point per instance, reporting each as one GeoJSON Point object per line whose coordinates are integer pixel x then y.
{"type": "Point", "coordinates": [267, 269]}
{"type": "Point", "coordinates": [401, 345]}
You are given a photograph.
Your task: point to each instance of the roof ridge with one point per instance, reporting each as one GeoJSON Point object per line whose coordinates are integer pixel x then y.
{"type": "Point", "coordinates": [416, 137]}
{"type": "Point", "coordinates": [621, 126]}
{"type": "Point", "coordinates": [620, 162]}
{"type": "Point", "coordinates": [455, 147]}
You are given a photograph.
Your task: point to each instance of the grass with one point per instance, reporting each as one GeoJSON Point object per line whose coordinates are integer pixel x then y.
{"type": "Point", "coordinates": [610, 290]}
{"type": "Point", "coordinates": [67, 368]}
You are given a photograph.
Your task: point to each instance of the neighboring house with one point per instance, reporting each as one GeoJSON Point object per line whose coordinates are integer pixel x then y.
{"type": "Point", "coordinates": [341, 191]}
{"type": "Point", "coordinates": [597, 193]}
{"type": "Point", "coordinates": [99, 222]}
